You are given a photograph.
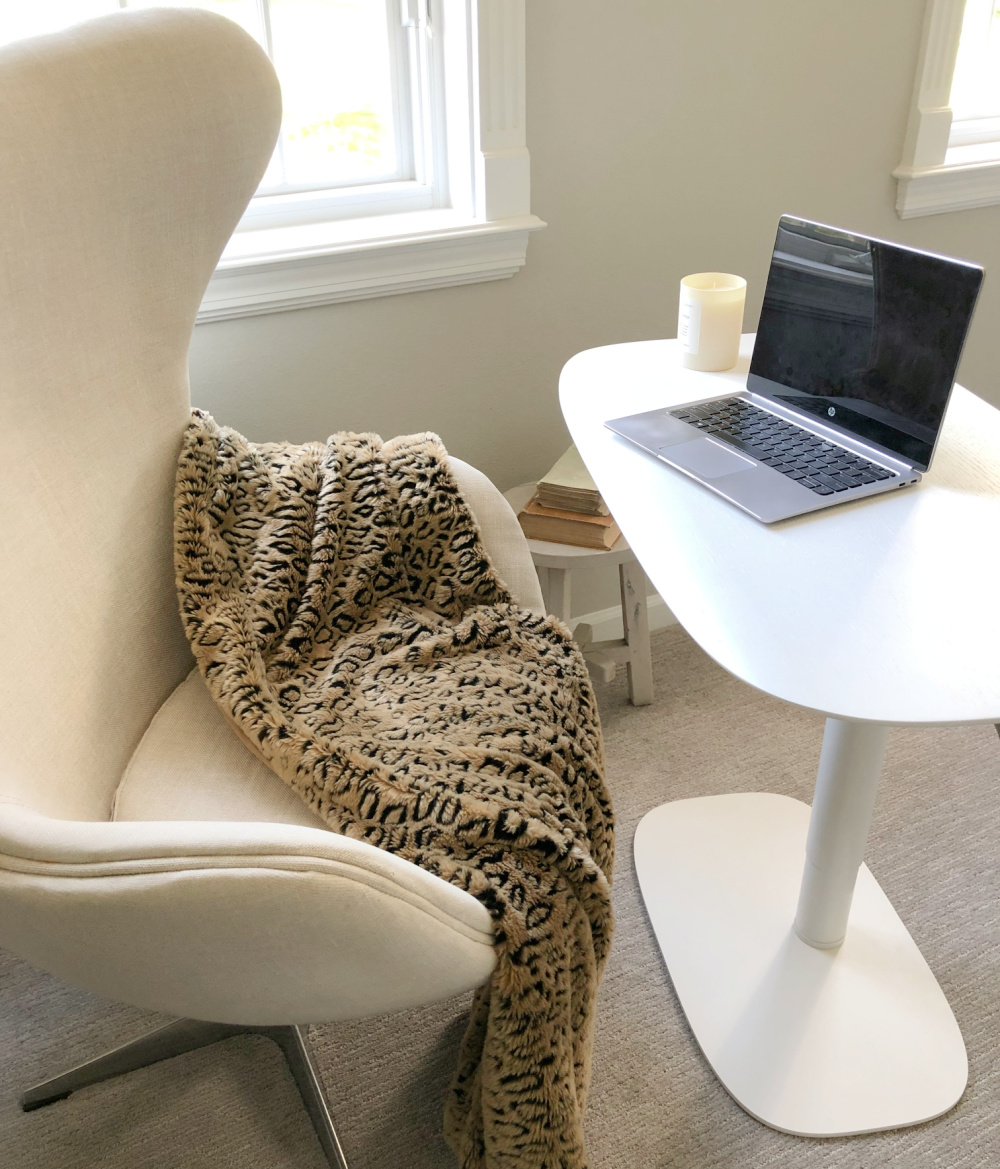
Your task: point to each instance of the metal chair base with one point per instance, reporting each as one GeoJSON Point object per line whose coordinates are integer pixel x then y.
{"type": "Point", "coordinates": [187, 1035]}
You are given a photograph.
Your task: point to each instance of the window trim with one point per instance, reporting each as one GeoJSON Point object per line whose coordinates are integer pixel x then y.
{"type": "Point", "coordinates": [483, 235]}
{"type": "Point", "coordinates": [935, 175]}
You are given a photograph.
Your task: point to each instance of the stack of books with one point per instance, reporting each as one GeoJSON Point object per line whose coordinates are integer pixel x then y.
{"type": "Point", "coordinates": [567, 508]}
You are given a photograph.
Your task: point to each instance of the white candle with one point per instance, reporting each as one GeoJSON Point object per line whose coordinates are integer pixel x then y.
{"type": "Point", "coordinates": [710, 319]}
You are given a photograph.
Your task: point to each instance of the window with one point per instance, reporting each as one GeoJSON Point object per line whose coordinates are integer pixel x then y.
{"type": "Point", "coordinates": [951, 159]}
{"type": "Point", "coordinates": [975, 87]}
{"type": "Point", "coordinates": [401, 162]}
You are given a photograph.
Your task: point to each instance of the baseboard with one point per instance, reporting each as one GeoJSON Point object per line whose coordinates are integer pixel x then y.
{"type": "Point", "coordinates": [607, 623]}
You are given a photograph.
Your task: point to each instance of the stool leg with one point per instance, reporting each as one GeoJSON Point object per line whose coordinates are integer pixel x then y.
{"type": "Point", "coordinates": [555, 584]}
{"type": "Point", "coordinates": [635, 620]}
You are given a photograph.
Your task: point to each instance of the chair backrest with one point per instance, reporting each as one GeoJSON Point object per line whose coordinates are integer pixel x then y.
{"type": "Point", "coordinates": [129, 147]}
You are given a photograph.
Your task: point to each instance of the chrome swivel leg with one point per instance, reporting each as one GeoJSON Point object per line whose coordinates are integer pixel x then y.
{"type": "Point", "coordinates": [293, 1042]}
{"type": "Point", "coordinates": [187, 1035]}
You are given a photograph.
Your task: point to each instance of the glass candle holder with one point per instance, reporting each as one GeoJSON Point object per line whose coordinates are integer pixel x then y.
{"type": "Point", "coordinates": [710, 320]}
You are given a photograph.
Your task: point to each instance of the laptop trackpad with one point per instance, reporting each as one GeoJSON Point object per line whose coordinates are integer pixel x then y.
{"type": "Point", "coordinates": [706, 458]}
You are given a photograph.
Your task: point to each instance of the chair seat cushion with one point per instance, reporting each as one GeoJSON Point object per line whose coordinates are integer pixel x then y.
{"type": "Point", "coordinates": [190, 765]}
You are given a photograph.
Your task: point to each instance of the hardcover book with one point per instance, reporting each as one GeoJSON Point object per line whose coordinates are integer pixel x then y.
{"type": "Point", "coordinates": [567, 527]}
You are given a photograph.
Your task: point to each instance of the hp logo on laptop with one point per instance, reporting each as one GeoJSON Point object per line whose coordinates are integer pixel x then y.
{"type": "Point", "coordinates": [831, 411]}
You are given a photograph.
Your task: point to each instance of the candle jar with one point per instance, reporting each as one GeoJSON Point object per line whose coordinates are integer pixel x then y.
{"type": "Point", "coordinates": [710, 320]}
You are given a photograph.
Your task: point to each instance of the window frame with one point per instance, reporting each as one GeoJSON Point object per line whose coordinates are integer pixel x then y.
{"type": "Point", "coordinates": [405, 78]}
{"type": "Point", "coordinates": [357, 243]}
{"type": "Point", "coordinates": [940, 171]}
{"type": "Point", "coordinates": [418, 183]}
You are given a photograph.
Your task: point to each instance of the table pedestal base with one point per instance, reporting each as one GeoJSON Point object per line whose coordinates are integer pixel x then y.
{"type": "Point", "coordinates": [812, 1042]}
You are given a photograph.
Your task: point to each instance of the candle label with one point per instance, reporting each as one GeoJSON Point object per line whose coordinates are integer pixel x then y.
{"type": "Point", "coordinates": [689, 325]}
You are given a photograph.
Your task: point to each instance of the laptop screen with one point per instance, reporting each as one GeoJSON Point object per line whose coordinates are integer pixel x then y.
{"type": "Point", "coordinates": [864, 334]}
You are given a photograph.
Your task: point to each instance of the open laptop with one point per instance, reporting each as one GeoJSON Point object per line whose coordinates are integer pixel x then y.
{"type": "Point", "coordinates": [852, 368]}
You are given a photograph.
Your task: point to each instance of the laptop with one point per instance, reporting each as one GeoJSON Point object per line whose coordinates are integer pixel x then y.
{"type": "Point", "coordinates": [852, 368]}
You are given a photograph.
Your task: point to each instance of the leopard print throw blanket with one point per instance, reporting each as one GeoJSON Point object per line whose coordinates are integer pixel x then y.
{"type": "Point", "coordinates": [349, 624]}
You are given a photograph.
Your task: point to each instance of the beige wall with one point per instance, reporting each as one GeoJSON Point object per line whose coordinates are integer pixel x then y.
{"type": "Point", "coordinates": [666, 137]}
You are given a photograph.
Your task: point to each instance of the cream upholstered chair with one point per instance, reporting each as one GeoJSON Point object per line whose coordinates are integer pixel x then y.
{"type": "Point", "coordinates": [144, 853]}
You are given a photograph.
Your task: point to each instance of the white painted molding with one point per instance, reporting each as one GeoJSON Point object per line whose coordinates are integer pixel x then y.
{"type": "Point", "coordinates": [502, 162]}
{"type": "Point", "coordinates": [501, 73]}
{"type": "Point", "coordinates": [607, 623]}
{"type": "Point", "coordinates": [946, 188]}
{"type": "Point", "coordinates": [930, 182]}
{"type": "Point", "coordinates": [930, 115]}
{"type": "Point", "coordinates": [359, 270]}
{"type": "Point", "coordinates": [481, 235]}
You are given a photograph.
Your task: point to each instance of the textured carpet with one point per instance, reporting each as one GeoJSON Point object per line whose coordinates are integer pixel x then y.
{"type": "Point", "coordinates": [654, 1102]}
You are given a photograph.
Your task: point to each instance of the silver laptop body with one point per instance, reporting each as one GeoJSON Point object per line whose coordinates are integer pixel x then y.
{"type": "Point", "coordinates": [853, 365]}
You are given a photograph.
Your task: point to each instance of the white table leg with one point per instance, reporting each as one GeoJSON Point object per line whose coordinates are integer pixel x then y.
{"type": "Point", "coordinates": [556, 595]}
{"type": "Point", "coordinates": [635, 621]}
{"type": "Point", "coordinates": [849, 768]}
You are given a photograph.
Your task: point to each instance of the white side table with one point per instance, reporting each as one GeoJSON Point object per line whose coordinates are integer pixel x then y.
{"type": "Point", "coordinates": [554, 563]}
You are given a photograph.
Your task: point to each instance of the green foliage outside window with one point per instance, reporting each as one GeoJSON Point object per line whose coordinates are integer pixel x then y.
{"type": "Point", "coordinates": [353, 131]}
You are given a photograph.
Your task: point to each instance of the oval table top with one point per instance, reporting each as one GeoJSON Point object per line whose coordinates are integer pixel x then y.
{"type": "Point", "coordinates": [884, 610]}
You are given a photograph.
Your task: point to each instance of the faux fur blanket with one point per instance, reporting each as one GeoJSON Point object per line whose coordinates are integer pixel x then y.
{"type": "Point", "coordinates": [348, 622]}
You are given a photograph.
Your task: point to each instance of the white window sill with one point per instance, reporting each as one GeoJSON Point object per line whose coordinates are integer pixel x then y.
{"type": "Point", "coordinates": [965, 180]}
{"type": "Point", "coordinates": [277, 269]}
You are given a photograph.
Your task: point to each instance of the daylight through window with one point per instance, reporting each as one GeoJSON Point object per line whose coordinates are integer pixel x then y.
{"type": "Point", "coordinates": [975, 89]}
{"type": "Point", "coordinates": [348, 71]}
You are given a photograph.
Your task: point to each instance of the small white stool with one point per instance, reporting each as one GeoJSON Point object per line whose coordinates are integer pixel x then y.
{"type": "Point", "coordinates": [554, 563]}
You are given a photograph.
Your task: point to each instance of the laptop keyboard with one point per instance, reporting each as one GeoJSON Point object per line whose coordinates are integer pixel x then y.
{"type": "Point", "coordinates": [821, 466]}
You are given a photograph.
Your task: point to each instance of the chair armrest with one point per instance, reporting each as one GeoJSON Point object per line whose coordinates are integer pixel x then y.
{"type": "Point", "coordinates": [235, 922]}
{"type": "Point", "coordinates": [33, 843]}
